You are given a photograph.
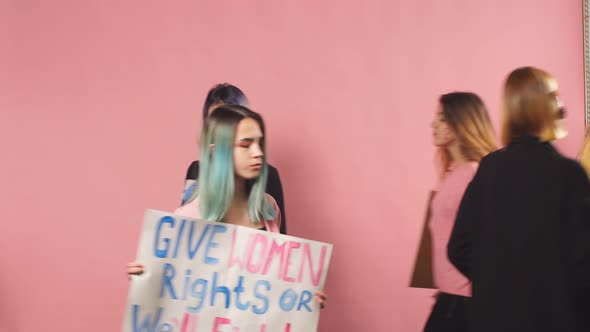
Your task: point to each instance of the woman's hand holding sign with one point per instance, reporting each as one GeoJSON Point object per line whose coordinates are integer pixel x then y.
{"type": "Point", "coordinates": [134, 268]}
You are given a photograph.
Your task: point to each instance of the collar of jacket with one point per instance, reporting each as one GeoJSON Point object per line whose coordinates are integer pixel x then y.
{"type": "Point", "coordinates": [526, 139]}
{"type": "Point", "coordinates": [531, 140]}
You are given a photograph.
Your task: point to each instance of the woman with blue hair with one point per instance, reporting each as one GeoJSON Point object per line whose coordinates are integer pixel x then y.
{"type": "Point", "coordinates": [233, 175]}
{"type": "Point", "coordinates": [233, 172]}
{"type": "Point", "coordinates": [228, 94]}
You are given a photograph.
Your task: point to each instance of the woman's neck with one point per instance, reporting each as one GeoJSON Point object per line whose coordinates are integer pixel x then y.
{"type": "Point", "coordinates": [239, 190]}
{"type": "Point", "coordinates": [457, 157]}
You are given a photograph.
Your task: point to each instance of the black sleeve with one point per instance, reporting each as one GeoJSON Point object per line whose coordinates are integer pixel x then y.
{"type": "Point", "coordinates": [193, 171]}
{"type": "Point", "coordinates": [577, 223]}
{"type": "Point", "coordinates": [576, 242]}
{"type": "Point", "coordinates": [460, 246]}
{"type": "Point", "coordinates": [275, 189]}
{"type": "Point", "coordinates": [192, 174]}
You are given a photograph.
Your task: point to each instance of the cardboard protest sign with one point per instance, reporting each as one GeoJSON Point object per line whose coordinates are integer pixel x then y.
{"type": "Point", "coordinates": [207, 276]}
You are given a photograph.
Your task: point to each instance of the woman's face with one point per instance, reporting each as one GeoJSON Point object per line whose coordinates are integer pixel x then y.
{"type": "Point", "coordinates": [560, 131]}
{"type": "Point", "coordinates": [442, 134]}
{"type": "Point", "coordinates": [248, 154]}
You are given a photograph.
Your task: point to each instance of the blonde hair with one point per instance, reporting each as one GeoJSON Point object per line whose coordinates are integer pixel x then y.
{"type": "Point", "coordinates": [585, 154]}
{"type": "Point", "coordinates": [529, 105]}
{"type": "Point", "coordinates": [467, 116]}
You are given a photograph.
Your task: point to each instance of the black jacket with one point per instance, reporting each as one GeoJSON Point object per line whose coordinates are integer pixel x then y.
{"type": "Point", "coordinates": [522, 236]}
{"type": "Point", "coordinates": [273, 188]}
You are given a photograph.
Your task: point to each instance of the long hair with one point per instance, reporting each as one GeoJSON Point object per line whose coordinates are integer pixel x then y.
{"type": "Point", "coordinates": [584, 155]}
{"type": "Point", "coordinates": [529, 105]}
{"type": "Point", "coordinates": [217, 175]}
{"type": "Point", "coordinates": [467, 116]}
{"type": "Point", "coordinates": [224, 93]}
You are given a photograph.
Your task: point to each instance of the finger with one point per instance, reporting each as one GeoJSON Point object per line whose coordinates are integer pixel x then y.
{"type": "Point", "coordinates": [319, 300]}
{"type": "Point", "coordinates": [135, 271]}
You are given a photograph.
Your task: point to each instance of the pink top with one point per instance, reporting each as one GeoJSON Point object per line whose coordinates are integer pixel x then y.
{"type": "Point", "coordinates": [445, 205]}
{"type": "Point", "coordinates": [191, 210]}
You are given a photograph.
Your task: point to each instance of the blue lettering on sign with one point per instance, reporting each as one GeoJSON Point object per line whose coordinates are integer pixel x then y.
{"type": "Point", "coordinates": [210, 244]}
{"type": "Point", "coordinates": [162, 253]}
{"type": "Point", "coordinates": [264, 298]}
{"type": "Point", "coordinates": [288, 300]}
{"type": "Point", "coordinates": [147, 325]}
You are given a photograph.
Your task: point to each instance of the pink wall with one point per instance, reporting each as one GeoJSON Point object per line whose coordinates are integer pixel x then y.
{"type": "Point", "coordinates": [99, 116]}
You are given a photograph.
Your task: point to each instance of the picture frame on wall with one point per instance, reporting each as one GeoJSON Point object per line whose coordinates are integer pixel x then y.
{"type": "Point", "coordinates": [586, 3]}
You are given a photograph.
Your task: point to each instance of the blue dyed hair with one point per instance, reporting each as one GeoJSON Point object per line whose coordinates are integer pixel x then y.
{"type": "Point", "coordinates": [224, 93]}
{"type": "Point", "coordinates": [217, 175]}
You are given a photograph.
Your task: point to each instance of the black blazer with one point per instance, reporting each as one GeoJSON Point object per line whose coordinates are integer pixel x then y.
{"type": "Point", "coordinates": [273, 188]}
{"type": "Point", "coordinates": [522, 235]}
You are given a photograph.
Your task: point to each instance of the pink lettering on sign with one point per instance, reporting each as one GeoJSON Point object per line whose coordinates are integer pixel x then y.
{"type": "Point", "coordinates": [220, 321]}
{"type": "Point", "coordinates": [285, 265]}
{"type": "Point", "coordinates": [275, 249]}
{"type": "Point", "coordinates": [315, 276]}
{"type": "Point", "coordinates": [260, 255]}
{"type": "Point", "coordinates": [189, 323]}
{"type": "Point", "coordinates": [258, 238]}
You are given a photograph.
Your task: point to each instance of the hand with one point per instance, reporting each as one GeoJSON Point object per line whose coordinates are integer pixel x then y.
{"type": "Point", "coordinates": [134, 268]}
{"type": "Point", "coordinates": [320, 298]}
